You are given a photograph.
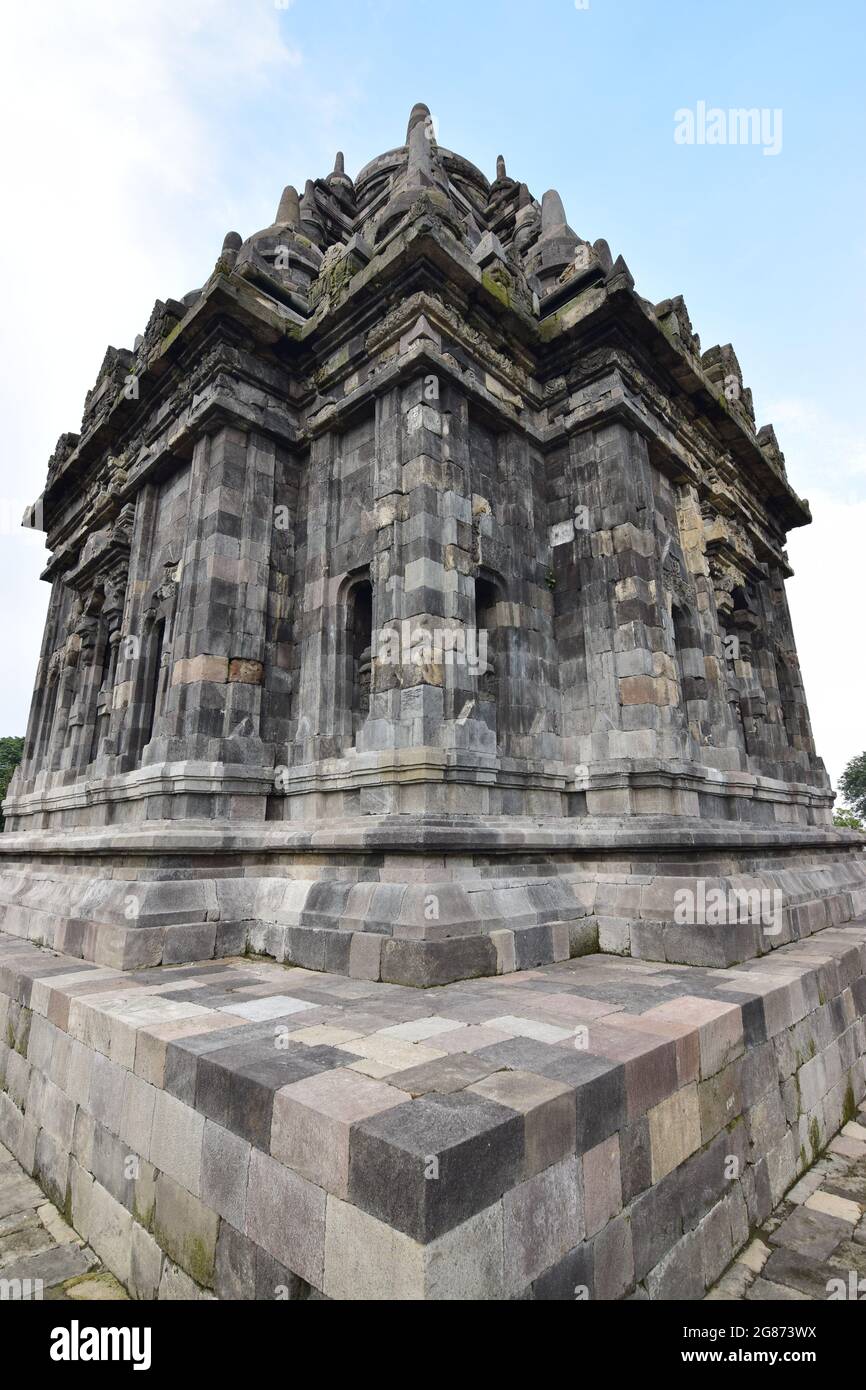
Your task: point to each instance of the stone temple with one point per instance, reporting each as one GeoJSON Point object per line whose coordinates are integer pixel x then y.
{"type": "Point", "coordinates": [417, 615]}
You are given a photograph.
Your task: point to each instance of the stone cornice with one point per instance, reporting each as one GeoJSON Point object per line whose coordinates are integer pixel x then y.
{"type": "Point", "coordinates": [510, 344]}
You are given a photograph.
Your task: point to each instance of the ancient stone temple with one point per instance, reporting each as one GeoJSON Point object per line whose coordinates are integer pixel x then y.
{"type": "Point", "coordinates": [410, 580]}
{"type": "Point", "coordinates": [418, 615]}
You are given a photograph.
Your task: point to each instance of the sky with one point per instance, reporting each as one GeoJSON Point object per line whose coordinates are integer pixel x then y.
{"type": "Point", "coordinates": [136, 136]}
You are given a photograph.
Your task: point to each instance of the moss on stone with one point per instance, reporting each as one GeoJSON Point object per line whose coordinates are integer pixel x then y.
{"type": "Point", "coordinates": [172, 334]}
{"type": "Point", "coordinates": [98, 1284]}
{"type": "Point", "coordinates": [814, 1138]}
{"type": "Point", "coordinates": [493, 286]}
{"type": "Point", "coordinates": [198, 1261]}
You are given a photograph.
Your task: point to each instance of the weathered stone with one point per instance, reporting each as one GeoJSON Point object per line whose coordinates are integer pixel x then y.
{"type": "Point", "coordinates": [426, 1166]}
{"type": "Point", "coordinates": [543, 1218]}
{"type": "Point", "coordinates": [285, 1215]}
{"type": "Point", "coordinates": [592, 635]}
{"type": "Point", "coordinates": [313, 1119]}
{"type": "Point", "coordinates": [186, 1229]}
{"type": "Point", "coordinates": [675, 1130]}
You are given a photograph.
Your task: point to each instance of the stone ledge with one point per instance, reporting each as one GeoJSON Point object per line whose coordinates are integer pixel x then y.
{"type": "Point", "coordinates": [420, 919]}
{"type": "Point", "coordinates": [626, 835]}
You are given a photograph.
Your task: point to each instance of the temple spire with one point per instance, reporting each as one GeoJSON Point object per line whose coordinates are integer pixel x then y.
{"type": "Point", "coordinates": [338, 179]}
{"type": "Point", "coordinates": [423, 167]}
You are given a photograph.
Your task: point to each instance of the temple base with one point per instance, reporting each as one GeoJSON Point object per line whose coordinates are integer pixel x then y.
{"type": "Point", "coordinates": [596, 1129]}
{"type": "Point", "coordinates": [427, 900]}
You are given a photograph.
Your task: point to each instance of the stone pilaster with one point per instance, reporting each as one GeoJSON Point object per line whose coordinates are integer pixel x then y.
{"type": "Point", "coordinates": [212, 706]}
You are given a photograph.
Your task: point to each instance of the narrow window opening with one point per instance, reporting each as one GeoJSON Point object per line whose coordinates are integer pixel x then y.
{"type": "Point", "coordinates": [486, 599]}
{"type": "Point", "coordinates": [100, 717]}
{"type": "Point", "coordinates": [153, 676]}
{"type": "Point", "coordinates": [361, 647]}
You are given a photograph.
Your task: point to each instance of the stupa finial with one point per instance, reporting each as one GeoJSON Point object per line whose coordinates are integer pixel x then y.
{"type": "Point", "coordinates": [289, 211]}
{"type": "Point", "coordinates": [419, 113]}
{"type": "Point", "coordinates": [552, 211]}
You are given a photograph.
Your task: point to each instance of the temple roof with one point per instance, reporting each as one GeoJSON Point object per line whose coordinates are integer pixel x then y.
{"type": "Point", "coordinates": [532, 236]}
{"type": "Point", "coordinates": [520, 248]}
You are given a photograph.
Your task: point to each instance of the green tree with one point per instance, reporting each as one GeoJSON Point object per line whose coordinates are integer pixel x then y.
{"type": "Point", "coordinates": [846, 820]}
{"type": "Point", "coordinates": [852, 785]}
{"type": "Point", "coordinates": [11, 751]}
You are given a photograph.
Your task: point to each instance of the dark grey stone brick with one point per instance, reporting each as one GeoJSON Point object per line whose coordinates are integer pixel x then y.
{"type": "Point", "coordinates": [426, 1166]}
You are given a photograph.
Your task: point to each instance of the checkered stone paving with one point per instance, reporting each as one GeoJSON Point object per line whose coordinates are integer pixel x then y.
{"type": "Point", "coordinates": [599, 1128]}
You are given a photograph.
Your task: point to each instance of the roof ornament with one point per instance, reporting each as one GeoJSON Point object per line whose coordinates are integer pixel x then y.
{"type": "Point", "coordinates": [289, 211]}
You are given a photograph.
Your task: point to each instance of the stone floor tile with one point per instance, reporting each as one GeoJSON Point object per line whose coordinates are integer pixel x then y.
{"type": "Point", "coordinates": [419, 1029]}
{"type": "Point", "coordinates": [51, 1266]}
{"type": "Point", "coordinates": [470, 1038]}
{"type": "Point", "coordinates": [18, 1191]}
{"type": "Point", "coordinates": [271, 1006]}
{"type": "Point", "coordinates": [520, 1027]}
{"type": "Point", "coordinates": [327, 1034]}
{"type": "Point", "coordinates": [368, 1067]}
{"type": "Point", "coordinates": [28, 1239]}
{"type": "Point", "coordinates": [811, 1233]}
{"type": "Point", "coordinates": [454, 1072]}
{"type": "Point", "coordinates": [54, 1224]}
{"type": "Point", "coordinates": [97, 1287]}
{"type": "Point", "coordinates": [834, 1206]}
{"type": "Point", "coordinates": [763, 1291]}
{"type": "Point", "coordinates": [15, 1221]}
{"type": "Point", "coordinates": [732, 1286]}
{"type": "Point", "coordinates": [394, 1052]}
{"type": "Point", "coordinates": [809, 1183]}
{"type": "Point", "coordinates": [848, 1148]}
{"type": "Point", "coordinates": [755, 1255]}
{"type": "Point", "coordinates": [797, 1271]}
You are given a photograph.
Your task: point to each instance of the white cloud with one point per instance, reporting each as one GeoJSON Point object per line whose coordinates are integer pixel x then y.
{"type": "Point", "coordinates": [135, 137]}
{"type": "Point", "coordinates": [819, 449]}
{"type": "Point", "coordinates": [827, 598]}
{"type": "Point", "coordinates": [826, 461]}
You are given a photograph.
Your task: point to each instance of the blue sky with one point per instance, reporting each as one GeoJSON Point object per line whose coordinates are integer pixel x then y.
{"type": "Point", "coordinates": [136, 136]}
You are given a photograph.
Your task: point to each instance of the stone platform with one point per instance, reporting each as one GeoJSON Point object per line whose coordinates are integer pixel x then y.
{"type": "Point", "coordinates": [601, 1127]}
{"type": "Point", "coordinates": [426, 901]}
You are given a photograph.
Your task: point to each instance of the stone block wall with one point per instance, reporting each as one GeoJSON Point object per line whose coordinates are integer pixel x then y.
{"type": "Point", "coordinates": [602, 1129]}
